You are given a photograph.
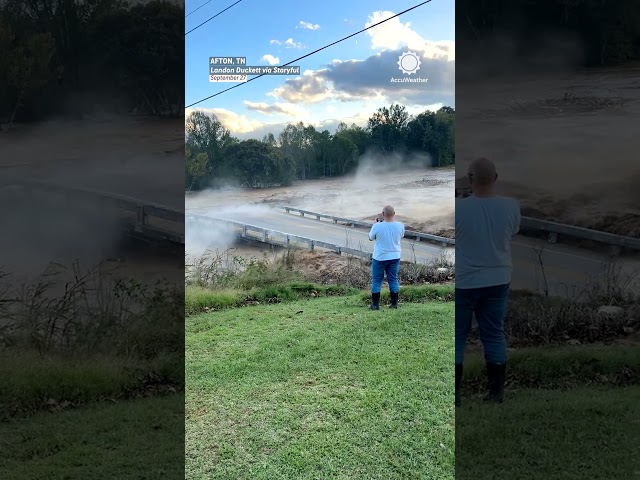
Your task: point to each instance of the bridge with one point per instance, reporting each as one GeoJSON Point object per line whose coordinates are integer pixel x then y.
{"type": "Point", "coordinates": [279, 229]}
{"type": "Point", "coordinates": [134, 217]}
{"type": "Point", "coordinates": [539, 263]}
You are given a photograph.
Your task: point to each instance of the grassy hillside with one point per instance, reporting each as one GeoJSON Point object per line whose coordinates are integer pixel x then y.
{"type": "Point", "coordinates": [321, 388]}
{"type": "Point", "coordinates": [135, 439]}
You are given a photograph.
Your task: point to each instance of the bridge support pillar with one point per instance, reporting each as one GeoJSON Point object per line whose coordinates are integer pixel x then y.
{"type": "Point", "coordinates": [312, 245]}
{"type": "Point", "coordinates": [264, 237]}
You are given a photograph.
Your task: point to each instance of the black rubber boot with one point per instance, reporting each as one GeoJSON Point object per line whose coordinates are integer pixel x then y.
{"type": "Point", "coordinates": [458, 379]}
{"type": "Point", "coordinates": [496, 373]}
{"type": "Point", "coordinates": [375, 301]}
{"type": "Point", "coordinates": [394, 299]}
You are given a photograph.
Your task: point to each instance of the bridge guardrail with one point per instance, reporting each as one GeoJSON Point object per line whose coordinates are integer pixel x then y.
{"type": "Point", "coordinates": [554, 229]}
{"type": "Point", "coordinates": [527, 223]}
{"type": "Point", "coordinates": [267, 236]}
{"type": "Point", "coordinates": [358, 223]}
{"type": "Point", "coordinates": [143, 210]}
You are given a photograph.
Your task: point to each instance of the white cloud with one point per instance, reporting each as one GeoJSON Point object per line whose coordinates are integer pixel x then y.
{"type": "Point", "coordinates": [393, 35]}
{"type": "Point", "coordinates": [286, 109]}
{"type": "Point", "coordinates": [308, 26]}
{"type": "Point", "coordinates": [236, 124]}
{"type": "Point", "coordinates": [353, 80]}
{"type": "Point", "coordinates": [311, 87]}
{"type": "Point", "coordinates": [289, 43]}
{"type": "Point", "coordinates": [270, 59]}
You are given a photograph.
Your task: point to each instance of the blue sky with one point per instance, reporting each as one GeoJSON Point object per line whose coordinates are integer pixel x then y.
{"type": "Point", "coordinates": [345, 82]}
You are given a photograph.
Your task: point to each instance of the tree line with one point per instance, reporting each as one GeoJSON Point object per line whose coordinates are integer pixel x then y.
{"type": "Point", "coordinates": [53, 51]}
{"type": "Point", "coordinates": [301, 152]}
{"type": "Point", "coordinates": [609, 30]}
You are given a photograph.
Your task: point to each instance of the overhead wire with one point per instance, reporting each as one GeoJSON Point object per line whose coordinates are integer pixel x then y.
{"type": "Point", "coordinates": [311, 53]}
{"type": "Point", "coordinates": [211, 18]}
{"type": "Point", "coordinates": [194, 11]}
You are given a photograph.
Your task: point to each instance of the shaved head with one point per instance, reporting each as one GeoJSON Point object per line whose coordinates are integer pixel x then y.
{"type": "Point", "coordinates": [482, 172]}
{"type": "Point", "coordinates": [388, 211]}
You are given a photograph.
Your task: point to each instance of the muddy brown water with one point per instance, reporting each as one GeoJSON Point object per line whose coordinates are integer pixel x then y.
{"type": "Point", "coordinates": [133, 156]}
{"type": "Point", "coordinates": [564, 144]}
{"type": "Point", "coordinates": [423, 198]}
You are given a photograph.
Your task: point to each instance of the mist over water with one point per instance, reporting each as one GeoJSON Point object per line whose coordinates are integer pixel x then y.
{"type": "Point", "coordinates": [132, 156]}
{"type": "Point", "coordinates": [423, 197]}
{"type": "Point", "coordinates": [202, 235]}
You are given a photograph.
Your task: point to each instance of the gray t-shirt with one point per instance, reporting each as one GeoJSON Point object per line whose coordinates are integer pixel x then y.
{"type": "Point", "coordinates": [484, 229]}
{"type": "Point", "coordinates": [387, 236]}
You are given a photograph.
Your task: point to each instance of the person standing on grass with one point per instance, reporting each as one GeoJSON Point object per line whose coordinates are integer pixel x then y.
{"type": "Point", "coordinates": [485, 225]}
{"type": "Point", "coordinates": [387, 235]}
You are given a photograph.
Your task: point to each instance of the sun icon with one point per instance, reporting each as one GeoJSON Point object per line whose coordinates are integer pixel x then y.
{"type": "Point", "coordinates": [409, 62]}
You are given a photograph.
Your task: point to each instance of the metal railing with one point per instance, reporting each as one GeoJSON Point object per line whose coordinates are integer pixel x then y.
{"type": "Point", "coordinates": [281, 239]}
{"type": "Point", "coordinates": [143, 210]}
{"type": "Point", "coordinates": [528, 224]}
{"type": "Point", "coordinates": [555, 229]}
{"type": "Point", "coordinates": [418, 236]}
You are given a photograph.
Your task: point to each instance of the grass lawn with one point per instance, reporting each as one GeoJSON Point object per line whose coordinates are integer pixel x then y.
{"type": "Point", "coordinates": [583, 433]}
{"type": "Point", "coordinates": [136, 439]}
{"type": "Point", "coordinates": [321, 388]}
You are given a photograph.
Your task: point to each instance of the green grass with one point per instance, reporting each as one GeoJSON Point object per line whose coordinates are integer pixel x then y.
{"type": "Point", "coordinates": [561, 367]}
{"type": "Point", "coordinates": [30, 382]}
{"type": "Point", "coordinates": [200, 300]}
{"type": "Point", "coordinates": [138, 439]}
{"type": "Point", "coordinates": [585, 433]}
{"type": "Point", "coordinates": [321, 388]}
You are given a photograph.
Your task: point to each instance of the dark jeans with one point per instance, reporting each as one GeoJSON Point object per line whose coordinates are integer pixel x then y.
{"type": "Point", "coordinates": [490, 307]}
{"type": "Point", "coordinates": [381, 267]}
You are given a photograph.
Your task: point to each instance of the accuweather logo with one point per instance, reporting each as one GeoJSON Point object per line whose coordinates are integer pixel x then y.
{"type": "Point", "coordinates": [409, 63]}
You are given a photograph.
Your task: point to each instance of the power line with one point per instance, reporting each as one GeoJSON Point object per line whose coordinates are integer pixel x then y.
{"type": "Point", "coordinates": [209, 19]}
{"type": "Point", "coordinates": [194, 11]}
{"type": "Point", "coordinates": [309, 54]}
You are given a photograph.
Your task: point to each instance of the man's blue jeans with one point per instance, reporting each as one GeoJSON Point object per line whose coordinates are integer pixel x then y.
{"type": "Point", "coordinates": [378, 270]}
{"type": "Point", "coordinates": [490, 306]}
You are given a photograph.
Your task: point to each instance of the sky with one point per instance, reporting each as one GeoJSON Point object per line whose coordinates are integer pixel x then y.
{"type": "Point", "coordinates": [347, 82]}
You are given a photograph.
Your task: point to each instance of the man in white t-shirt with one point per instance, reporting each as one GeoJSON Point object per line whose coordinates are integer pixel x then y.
{"type": "Point", "coordinates": [485, 226]}
{"type": "Point", "coordinates": [388, 235]}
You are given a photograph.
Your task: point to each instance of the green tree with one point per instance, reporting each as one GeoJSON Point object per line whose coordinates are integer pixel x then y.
{"type": "Point", "coordinates": [205, 134]}
{"type": "Point", "coordinates": [387, 128]}
{"type": "Point", "coordinates": [343, 154]}
{"type": "Point", "coordinates": [197, 167]}
{"type": "Point", "coordinates": [258, 165]}
{"type": "Point", "coordinates": [26, 65]}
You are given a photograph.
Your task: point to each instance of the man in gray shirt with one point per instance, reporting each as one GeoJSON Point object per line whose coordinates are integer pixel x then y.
{"type": "Point", "coordinates": [485, 225]}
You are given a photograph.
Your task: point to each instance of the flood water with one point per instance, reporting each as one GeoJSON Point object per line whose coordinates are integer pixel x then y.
{"type": "Point", "coordinates": [423, 198]}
